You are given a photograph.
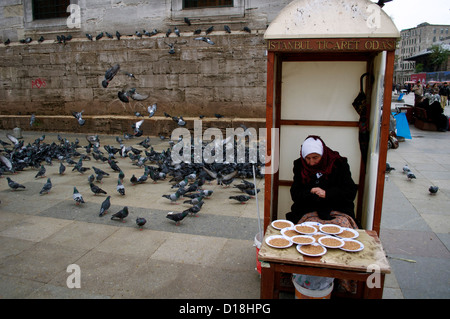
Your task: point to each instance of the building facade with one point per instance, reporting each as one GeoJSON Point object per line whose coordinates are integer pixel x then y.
{"type": "Point", "coordinates": [416, 41]}
{"type": "Point", "coordinates": [52, 78]}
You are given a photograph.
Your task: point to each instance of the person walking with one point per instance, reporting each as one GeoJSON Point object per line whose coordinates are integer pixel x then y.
{"type": "Point", "coordinates": [418, 92]}
{"type": "Point", "coordinates": [444, 92]}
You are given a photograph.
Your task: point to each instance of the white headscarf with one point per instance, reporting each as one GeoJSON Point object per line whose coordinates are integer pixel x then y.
{"type": "Point", "coordinates": [310, 145]}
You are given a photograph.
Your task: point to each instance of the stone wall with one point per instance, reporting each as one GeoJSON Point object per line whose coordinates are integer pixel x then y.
{"type": "Point", "coordinates": [51, 79]}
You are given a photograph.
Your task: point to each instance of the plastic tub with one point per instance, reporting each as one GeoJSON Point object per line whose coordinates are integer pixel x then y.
{"type": "Point", "coordinates": [257, 244]}
{"type": "Point", "coordinates": [303, 293]}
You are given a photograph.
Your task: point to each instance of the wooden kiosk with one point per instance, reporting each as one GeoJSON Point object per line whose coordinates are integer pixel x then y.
{"type": "Point", "coordinates": [317, 54]}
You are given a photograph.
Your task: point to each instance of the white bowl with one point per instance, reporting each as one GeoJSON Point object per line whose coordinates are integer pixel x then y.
{"type": "Point", "coordinates": [361, 245]}
{"type": "Point", "coordinates": [299, 247]}
{"type": "Point", "coordinates": [341, 242]}
{"type": "Point", "coordinates": [268, 239]}
{"type": "Point", "coordinates": [321, 227]}
{"type": "Point", "coordinates": [282, 220]}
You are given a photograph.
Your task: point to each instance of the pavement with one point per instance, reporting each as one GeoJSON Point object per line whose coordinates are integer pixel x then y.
{"type": "Point", "coordinates": [49, 245]}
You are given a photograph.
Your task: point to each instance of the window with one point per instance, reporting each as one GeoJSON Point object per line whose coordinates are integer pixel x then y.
{"type": "Point", "coordinates": [206, 3]}
{"type": "Point", "coordinates": [50, 9]}
{"type": "Point", "coordinates": [207, 9]}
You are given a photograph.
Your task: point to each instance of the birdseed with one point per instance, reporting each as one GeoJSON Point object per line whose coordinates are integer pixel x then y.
{"type": "Point", "coordinates": [312, 249]}
{"type": "Point", "coordinates": [303, 240]}
{"type": "Point", "coordinates": [330, 242]}
{"type": "Point", "coordinates": [346, 234]}
{"type": "Point", "coordinates": [351, 245]}
{"type": "Point", "coordinates": [281, 224]}
{"type": "Point", "coordinates": [279, 242]}
{"type": "Point", "coordinates": [305, 229]}
{"type": "Point", "coordinates": [331, 229]}
{"type": "Point", "coordinates": [290, 233]}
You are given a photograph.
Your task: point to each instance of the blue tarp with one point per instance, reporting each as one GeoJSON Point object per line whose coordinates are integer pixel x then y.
{"type": "Point", "coordinates": [402, 125]}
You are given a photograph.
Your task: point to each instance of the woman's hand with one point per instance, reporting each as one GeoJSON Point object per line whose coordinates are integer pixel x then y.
{"type": "Point", "coordinates": [318, 191]}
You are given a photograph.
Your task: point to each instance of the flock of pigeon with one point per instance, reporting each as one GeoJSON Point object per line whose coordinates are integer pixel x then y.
{"type": "Point", "coordinates": [63, 39]}
{"type": "Point", "coordinates": [187, 179]}
{"type": "Point", "coordinates": [410, 176]}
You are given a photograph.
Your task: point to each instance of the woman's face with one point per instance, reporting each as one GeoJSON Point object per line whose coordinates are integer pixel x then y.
{"type": "Point", "coordinates": [312, 159]}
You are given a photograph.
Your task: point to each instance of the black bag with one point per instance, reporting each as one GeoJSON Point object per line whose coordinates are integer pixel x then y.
{"type": "Point", "coordinates": [360, 106]}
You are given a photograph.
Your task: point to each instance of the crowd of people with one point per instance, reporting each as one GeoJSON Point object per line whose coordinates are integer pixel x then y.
{"type": "Point", "coordinates": [433, 98]}
{"type": "Point", "coordinates": [434, 91]}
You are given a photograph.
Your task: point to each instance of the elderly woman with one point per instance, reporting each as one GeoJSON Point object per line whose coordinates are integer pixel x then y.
{"type": "Point", "coordinates": [323, 189]}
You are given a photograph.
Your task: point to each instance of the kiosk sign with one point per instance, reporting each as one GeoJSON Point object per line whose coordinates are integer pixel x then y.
{"type": "Point", "coordinates": [335, 45]}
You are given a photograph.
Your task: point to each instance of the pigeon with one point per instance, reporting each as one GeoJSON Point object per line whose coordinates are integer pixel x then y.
{"type": "Point", "coordinates": [171, 48]}
{"type": "Point", "coordinates": [118, 35]}
{"type": "Point", "coordinates": [109, 35]}
{"type": "Point", "coordinates": [62, 168]}
{"type": "Point", "coordinates": [177, 32]}
{"type": "Point", "coordinates": [198, 31]}
{"type": "Point", "coordinates": [137, 128]}
{"type": "Point", "coordinates": [382, 2]}
{"type": "Point", "coordinates": [245, 185]}
{"type": "Point", "coordinates": [78, 116]}
{"type": "Point", "coordinates": [433, 189]}
{"type": "Point", "coordinates": [177, 217]}
{"type": "Point", "coordinates": [221, 179]}
{"type": "Point", "coordinates": [187, 21]}
{"type": "Point", "coordinates": [251, 192]}
{"type": "Point", "coordinates": [133, 180]}
{"type": "Point", "coordinates": [47, 187]}
{"type": "Point", "coordinates": [240, 198]}
{"type": "Point", "coordinates": [105, 206]}
{"type": "Point", "coordinates": [181, 121]}
{"type": "Point", "coordinates": [89, 36]}
{"type": "Point", "coordinates": [110, 74]}
{"type": "Point", "coordinates": [174, 196]}
{"type": "Point", "coordinates": [410, 176]}
{"type": "Point", "coordinates": [120, 187]}
{"type": "Point", "coordinates": [41, 172]}
{"type": "Point", "coordinates": [121, 214]}
{"type": "Point", "coordinates": [247, 29]}
{"type": "Point", "coordinates": [32, 119]}
{"type": "Point", "coordinates": [8, 41]}
{"type": "Point", "coordinates": [96, 190]}
{"type": "Point", "coordinates": [113, 165]}
{"type": "Point", "coordinates": [195, 200]}
{"type": "Point", "coordinates": [123, 96]}
{"type": "Point", "coordinates": [14, 185]}
{"type": "Point", "coordinates": [151, 110]}
{"type": "Point", "coordinates": [77, 197]}
{"type": "Point", "coordinates": [227, 29]}
{"type": "Point", "coordinates": [406, 169]}
{"type": "Point", "coordinates": [138, 34]}
{"type": "Point", "coordinates": [140, 222]}
{"type": "Point", "coordinates": [130, 75]}
{"type": "Point", "coordinates": [91, 178]}
{"type": "Point", "coordinates": [41, 39]}
{"type": "Point", "coordinates": [389, 168]}
{"type": "Point", "coordinates": [209, 30]}
{"type": "Point", "coordinates": [168, 32]}
{"type": "Point", "coordinates": [99, 36]}
{"type": "Point", "coordinates": [137, 96]}
{"type": "Point", "coordinates": [205, 39]}
{"type": "Point", "coordinates": [195, 208]}
{"type": "Point", "coordinates": [6, 162]}
{"type": "Point", "coordinates": [218, 115]}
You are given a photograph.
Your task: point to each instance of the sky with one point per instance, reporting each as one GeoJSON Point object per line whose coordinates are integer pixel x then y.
{"type": "Point", "coordinates": [409, 13]}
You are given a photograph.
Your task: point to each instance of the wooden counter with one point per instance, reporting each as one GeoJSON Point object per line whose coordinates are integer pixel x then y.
{"type": "Point", "coordinates": [368, 265]}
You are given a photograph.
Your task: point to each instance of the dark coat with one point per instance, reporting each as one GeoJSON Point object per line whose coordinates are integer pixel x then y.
{"type": "Point", "coordinates": [340, 192]}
